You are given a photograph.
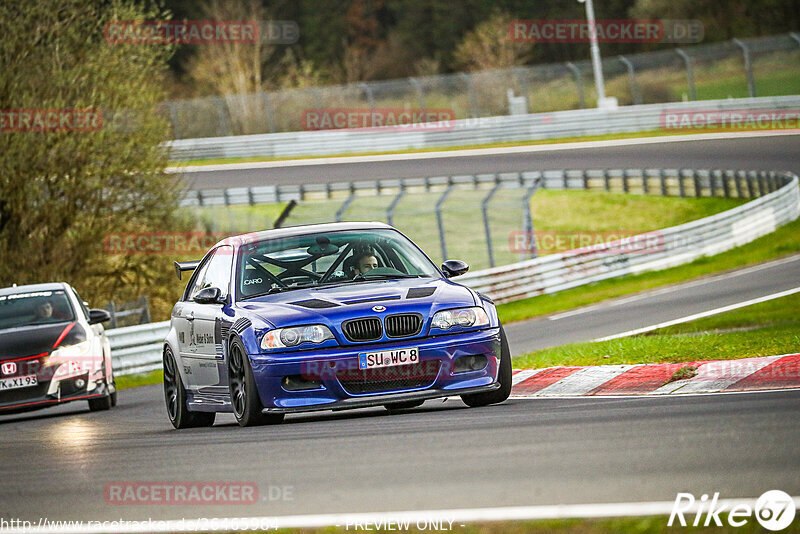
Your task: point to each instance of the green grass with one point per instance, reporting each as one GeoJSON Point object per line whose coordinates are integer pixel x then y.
{"type": "Point", "coordinates": [782, 242]}
{"type": "Point", "coordinates": [140, 379]}
{"type": "Point", "coordinates": [764, 329]}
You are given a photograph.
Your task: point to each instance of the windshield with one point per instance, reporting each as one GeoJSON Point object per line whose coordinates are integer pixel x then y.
{"type": "Point", "coordinates": [34, 308]}
{"type": "Point", "coordinates": [329, 258]}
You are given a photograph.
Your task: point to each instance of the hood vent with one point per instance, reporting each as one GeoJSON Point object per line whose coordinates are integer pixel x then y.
{"type": "Point", "coordinates": [371, 299]}
{"type": "Point", "coordinates": [420, 292]}
{"type": "Point", "coordinates": [315, 304]}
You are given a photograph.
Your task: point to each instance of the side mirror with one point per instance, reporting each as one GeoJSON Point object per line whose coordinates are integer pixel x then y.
{"type": "Point", "coordinates": [209, 295]}
{"type": "Point", "coordinates": [98, 316]}
{"type": "Point", "coordinates": [452, 268]}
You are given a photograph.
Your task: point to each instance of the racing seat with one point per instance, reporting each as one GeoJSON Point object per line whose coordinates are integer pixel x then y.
{"type": "Point", "coordinates": [254, 282]}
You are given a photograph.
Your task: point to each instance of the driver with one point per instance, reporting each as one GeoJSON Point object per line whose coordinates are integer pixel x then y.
{"type": "Point", "coordinates": [44, 310]}
{"type": "Point", "coordinates": [365, 259]}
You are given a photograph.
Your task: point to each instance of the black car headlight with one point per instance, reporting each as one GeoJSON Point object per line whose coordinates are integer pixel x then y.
{"type": "Point", "coordinates": [282, 338]}
{"type": "Point", "coordinates": [463, 317]}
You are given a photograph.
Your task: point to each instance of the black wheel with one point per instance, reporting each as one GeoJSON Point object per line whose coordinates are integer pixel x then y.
{"type": "Point", "coordinates": [114, 394]}
{"type": "Point", "coordinates": [244, 394]}
{"type": "Point", "coordinates": [405, 405]}
{"type": "Point", "coordinates": [175, 398]}
{"type": "Point", "coordinates": [503, 376]}
{"type": "Point", "coordinates": [100, 404]}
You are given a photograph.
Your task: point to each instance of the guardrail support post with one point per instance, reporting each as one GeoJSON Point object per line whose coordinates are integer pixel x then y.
{"type": "Point", "coordinates": [440, 222]}
{"type": "Point", "coordinates": [486, 226]}
{"type": "Point", "coordinates": [712, 182]}
{"type": "Point", "coordinates": [748, 67]}
{"type": "Point", "coordinates": [698, 191]}
{"type": "Point", "coordinates": [625, 187]}
{"type": "Point", "coordinates": [681, 187]}
{"type": "Point", "coordinates": [527, 221]}
{"type": "Point", "coordinates": [173, 117]}
{"type": "Point", "coordinates": [662, 178]}
{"type": "Point", "coordinates": [636, 98]}
{"type": "Point", "coordinates": [750, 188]}
{"type": "Point", "coordinates": [578, 83]}
{"type": "Point", "coordinates": [645, 185]}
{"type": "Point", "coordinates": [689, 72]}
{"type": "Point", "coordinates": [606, 180]}
{"type": "Point", "coordinates": [346, 204]}
{"type": "Point", "coordinates": [726, 185]}
{"type": "Point", "coordinates": [738, 181]}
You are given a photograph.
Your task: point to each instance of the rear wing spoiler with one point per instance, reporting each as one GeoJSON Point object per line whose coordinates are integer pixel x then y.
{"type": "Point", "coordinates": [185, 266]}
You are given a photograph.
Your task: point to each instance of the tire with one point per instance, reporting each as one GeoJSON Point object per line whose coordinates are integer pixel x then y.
{"type": "Point", "coordinates": [503, 376]}
{"type": "Point", "coordinates": [114, 394]}
{"type": "Point", "coordinates": [245, 401]}
{"type": "Point", "coordinates": [175, 398]}
{"type": "Point", "coordinates": [100, 404]}
{"type": "Point", "coordinates": [406, 405]}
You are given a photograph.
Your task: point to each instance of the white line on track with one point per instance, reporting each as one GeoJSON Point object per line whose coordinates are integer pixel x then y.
{"type": "Point", "coordinates": [700, 315]}
{"type": "Point", "coordinates": [450, 518]}
{"type": "Point", "coordinates": [676, 287]}
{"type": "Point", "coordinates": [332, 160]}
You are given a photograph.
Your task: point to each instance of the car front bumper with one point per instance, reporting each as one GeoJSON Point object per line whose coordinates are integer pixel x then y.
{"type": "Point", "coordinates": [342, 385]}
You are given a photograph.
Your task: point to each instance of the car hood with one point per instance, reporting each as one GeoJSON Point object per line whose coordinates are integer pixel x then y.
{"type": "Point", "coordinates": [334, 304]}
{"type": "Point", "coordinates": [29, 340]}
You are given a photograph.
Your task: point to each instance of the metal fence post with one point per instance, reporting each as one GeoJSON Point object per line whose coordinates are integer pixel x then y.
{"type": "Point", "coordinates": [268, 111]}
{"type": "Point", "coordinates": [712, 182]}
{"type": "Point", "coordinates": [635, 96]}
{"type": "Point", "coordinates": [738, 178]}
{"type": "Point", "coordinates": [370, 99]}
{"type": "Point", "coordinates": [420, 92]}
{"type": "Point", "coordinates": [689, 72]}
{"type": "Point", "coordinates": [795, 36]}
{"type": "Point", "coordinates": [527, 220]}
{"type": "Point", "coordinates": [698, 192]}
{"type": "Point", "coordinates": [112, 310]}
{"type": "Point", "coordinates": [681, 187]}
{"type": "Point", "coordinates": [748, 67]}
{"type": "Point", "coordinates": [145, 317]}
{"type": "Point", "coordinates": [523, 86]}
{"type": "Point", "coordinates": [473, 102]}
{"type": "Point", "coordinates": [578, 83]}
{"type": "Point", "coordinates": [439, 221]}
{"type": "Point", "coordinates": [395, 201]}
{"type": "Point", "coordinates": [662, 178]}
{"type": "Point", "coordinates": [222, 116]}
{"type": "Point", "coordinates": [486, 227]}
{"type": "Point", "coordinates": [346, 204]}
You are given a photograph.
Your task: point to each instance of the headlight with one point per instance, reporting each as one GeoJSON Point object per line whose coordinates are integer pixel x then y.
{"type": "Point", "coordinates": [296, 335]}
{"type": "Point", "coordinates": [464, 317]}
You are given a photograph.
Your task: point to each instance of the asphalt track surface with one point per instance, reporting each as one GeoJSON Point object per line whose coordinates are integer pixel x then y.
{"type": "Point", "coordinates": [768, 153]}
{"type": "Point", "coordinates": [440, 456]}
{"type": "Point", "coordinates": [656, 306]}
{"type": "Point", "coordinates": [57, 462]}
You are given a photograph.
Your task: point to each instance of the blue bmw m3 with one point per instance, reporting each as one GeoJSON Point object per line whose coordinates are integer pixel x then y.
{"type": "Point", "coordinates": [327, 317]}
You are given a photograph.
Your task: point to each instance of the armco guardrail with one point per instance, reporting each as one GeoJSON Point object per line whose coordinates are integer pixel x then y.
{"type": "Point", "coordinates": [667, 248]}
{"type": "Point", "coordinates": [462, 132]}
{"type": "Point", "coordinates": [138, 348]}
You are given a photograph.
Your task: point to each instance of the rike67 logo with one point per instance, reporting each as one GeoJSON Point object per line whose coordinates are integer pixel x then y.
{"type": "Point", "coordinates": [774, 510]}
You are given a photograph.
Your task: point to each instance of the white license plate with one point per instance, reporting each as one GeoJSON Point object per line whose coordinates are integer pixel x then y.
{"type": "Point", "coordinates": [18, 382]}
{"type": "Point", "coordinates": [388, 358]}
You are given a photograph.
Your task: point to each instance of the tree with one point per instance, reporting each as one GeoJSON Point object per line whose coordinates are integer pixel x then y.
{"type": "Point", "coordinates": [64, 191]}
{"type": "Point", "coordinates": [489, 46]}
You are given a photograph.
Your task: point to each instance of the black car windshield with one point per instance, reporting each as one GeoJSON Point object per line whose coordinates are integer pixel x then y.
{"type": "Point", "coordinates": [328, 258]}
{"type": "Point", "coordinates": [34, 308]}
